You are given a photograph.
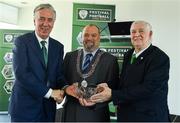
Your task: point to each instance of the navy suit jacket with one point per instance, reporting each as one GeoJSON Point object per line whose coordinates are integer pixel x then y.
{"type": "Point", "coordinates": [33, 79]}
{"type": "Point", "coordinates": [143, 89]}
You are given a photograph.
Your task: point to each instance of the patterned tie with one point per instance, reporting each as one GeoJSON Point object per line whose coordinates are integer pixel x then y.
{"type": "Point", "coordinates": [133, 59]}
{"type": "Point", "coordinates": [87, 61]}
{"type": "Point", "coordinates": [44, 50]}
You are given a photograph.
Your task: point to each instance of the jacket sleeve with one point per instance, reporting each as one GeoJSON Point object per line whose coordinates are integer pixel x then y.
{"type": "Point", "coordinates": [62, 82]}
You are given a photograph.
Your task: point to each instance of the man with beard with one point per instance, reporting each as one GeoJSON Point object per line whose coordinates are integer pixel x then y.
{"type": "Point", "coordinates": [37, 64]}
{"type": "Point", "coordinates": [89, 66]}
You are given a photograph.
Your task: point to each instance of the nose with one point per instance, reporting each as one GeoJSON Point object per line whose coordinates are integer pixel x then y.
{"type": "Point", "coordinates": [46, 22]}
{"type": "Point", "coordinates": [137, 33]}
{"type": "Point", "coordinates": [89, 37]}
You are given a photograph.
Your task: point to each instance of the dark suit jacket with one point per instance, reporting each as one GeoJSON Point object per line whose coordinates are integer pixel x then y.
{"type": "Point", "coordinates": [106, 71]}
{"type": "Point", "coordinates": [33, 79]}
{"type": "Point", "coordinates": [143, 89]}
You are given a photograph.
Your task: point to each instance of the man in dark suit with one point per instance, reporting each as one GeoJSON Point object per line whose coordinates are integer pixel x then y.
{"type": "Point", "coordinates": [38, 71]}
{"type": "Point", "coordinates": [103, 67]}
{"type": "Point", "coordinates": [143, 87]}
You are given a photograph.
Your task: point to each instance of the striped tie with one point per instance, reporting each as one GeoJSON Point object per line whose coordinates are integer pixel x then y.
{"type": "Point", "coordinates": [44, 50]}
{"type": "Point", "coordinates": [87, 61]}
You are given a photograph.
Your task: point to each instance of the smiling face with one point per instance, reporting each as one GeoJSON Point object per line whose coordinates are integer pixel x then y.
{"type": "Point", "coordinates": [44, 22]}
{"type": "Point", "coordinates": [141, 35]}
{"type": "Point", "coordinates": [91, 38]}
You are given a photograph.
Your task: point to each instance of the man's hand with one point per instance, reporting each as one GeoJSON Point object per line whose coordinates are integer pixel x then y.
{"type": "Point", "coordinates": [58, 95]}
{"type": "Point", "coordinates": [72, 90]}
{"type": "Point", "coordinates": [103, 95]}
{"type": "Point", "coordinates": [86, 102]}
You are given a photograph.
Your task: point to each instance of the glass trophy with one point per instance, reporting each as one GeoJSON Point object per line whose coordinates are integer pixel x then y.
{"type": "Point", "coordinates": [86, 91]}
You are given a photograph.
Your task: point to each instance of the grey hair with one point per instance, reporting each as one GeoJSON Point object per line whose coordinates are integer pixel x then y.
{"type": "Point", "coordinates": [147, 25]}
{"type": "Point", "coordinates": [45, 6]}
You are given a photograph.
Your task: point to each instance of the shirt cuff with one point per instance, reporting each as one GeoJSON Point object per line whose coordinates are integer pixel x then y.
{"type": "Point", "coordinates": [48, 94]}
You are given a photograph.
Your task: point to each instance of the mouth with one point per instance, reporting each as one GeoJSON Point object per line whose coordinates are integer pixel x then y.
{"type": "Point", "coordinates": [89, 43]}
{"type": "Point", "coordinates": [137, 39]}
{"type": "Point", "coordinates": [44, 30]}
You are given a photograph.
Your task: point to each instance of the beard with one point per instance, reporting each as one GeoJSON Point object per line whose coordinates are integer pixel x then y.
{"type": "Point", "coordinates": [89, 46]}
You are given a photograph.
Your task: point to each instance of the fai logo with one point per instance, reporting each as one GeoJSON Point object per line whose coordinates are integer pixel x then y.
{"type": "Point", "coordinates": [83, 14]}
{"type": "Point", "coordinates": [9, 38]}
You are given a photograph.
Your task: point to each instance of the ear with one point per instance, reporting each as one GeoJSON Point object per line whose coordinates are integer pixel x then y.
{"type": "Point", "coordinates": [34, 23]}
{"type": "Point", "coordinates": [150, 33]}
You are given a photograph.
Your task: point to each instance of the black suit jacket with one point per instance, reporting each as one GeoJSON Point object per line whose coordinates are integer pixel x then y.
{"type": "Point", "coordinates": [107, 70]}
{"type": "Point", "coordinates": [33, 79]}
{"type": "Point", "coordinates": [143, 89]}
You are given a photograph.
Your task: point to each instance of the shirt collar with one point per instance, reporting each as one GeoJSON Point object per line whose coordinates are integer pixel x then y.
{"type": "Point", "coordinates": [40, 39]}
{"type": "Point", "coordinates": [140, 52]}
{"type": "Point", "coordinates": [93, 53]}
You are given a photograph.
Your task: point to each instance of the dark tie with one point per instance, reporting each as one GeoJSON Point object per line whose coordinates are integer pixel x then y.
{"type": "Point", "coordinates": [44, 50]}
{"type": "Point", "coordinates": [87, 61]}
{"type": "Point", "coordinates": [133, 59]}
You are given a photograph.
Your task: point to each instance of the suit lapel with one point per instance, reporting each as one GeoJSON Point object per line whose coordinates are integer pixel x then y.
{"type": "Point", "coordinates": [81, 59]}
{"type": "Point", "coordinates": [145, 53]}
{"type": "Point", "coordinates": [51, 51]}
{"type": "Point", "coordinates": [34, 44]}
{"type": "Point", "coordinates": [141, 57]}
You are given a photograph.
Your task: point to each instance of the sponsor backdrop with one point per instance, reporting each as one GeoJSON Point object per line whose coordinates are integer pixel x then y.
{"type": "Point", "coordinates": [100, 15]}
{"type": "Point", "coordinates": [103, 16]}
{"type": "Point", "coordinates": [7, 38]}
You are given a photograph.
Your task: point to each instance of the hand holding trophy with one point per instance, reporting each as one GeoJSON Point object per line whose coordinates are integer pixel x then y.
{"type": "Point", "coordinates": [72, 90]}
{"type": "Point", "coordinates": [86, 91]}
{"type": "Point", "coordinates": [82, 90]}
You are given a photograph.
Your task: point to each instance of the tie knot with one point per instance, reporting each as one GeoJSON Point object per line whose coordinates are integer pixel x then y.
{"type": "Point", "coordinates": [89, 55]}
{"type": "Point", "coordinates": [134, 55]}
{"type": "Point", "coordinates": [43, 43]}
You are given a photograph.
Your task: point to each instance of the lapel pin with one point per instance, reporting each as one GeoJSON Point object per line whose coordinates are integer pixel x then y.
{"type": "Point", "coordinates": [141, 58]}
